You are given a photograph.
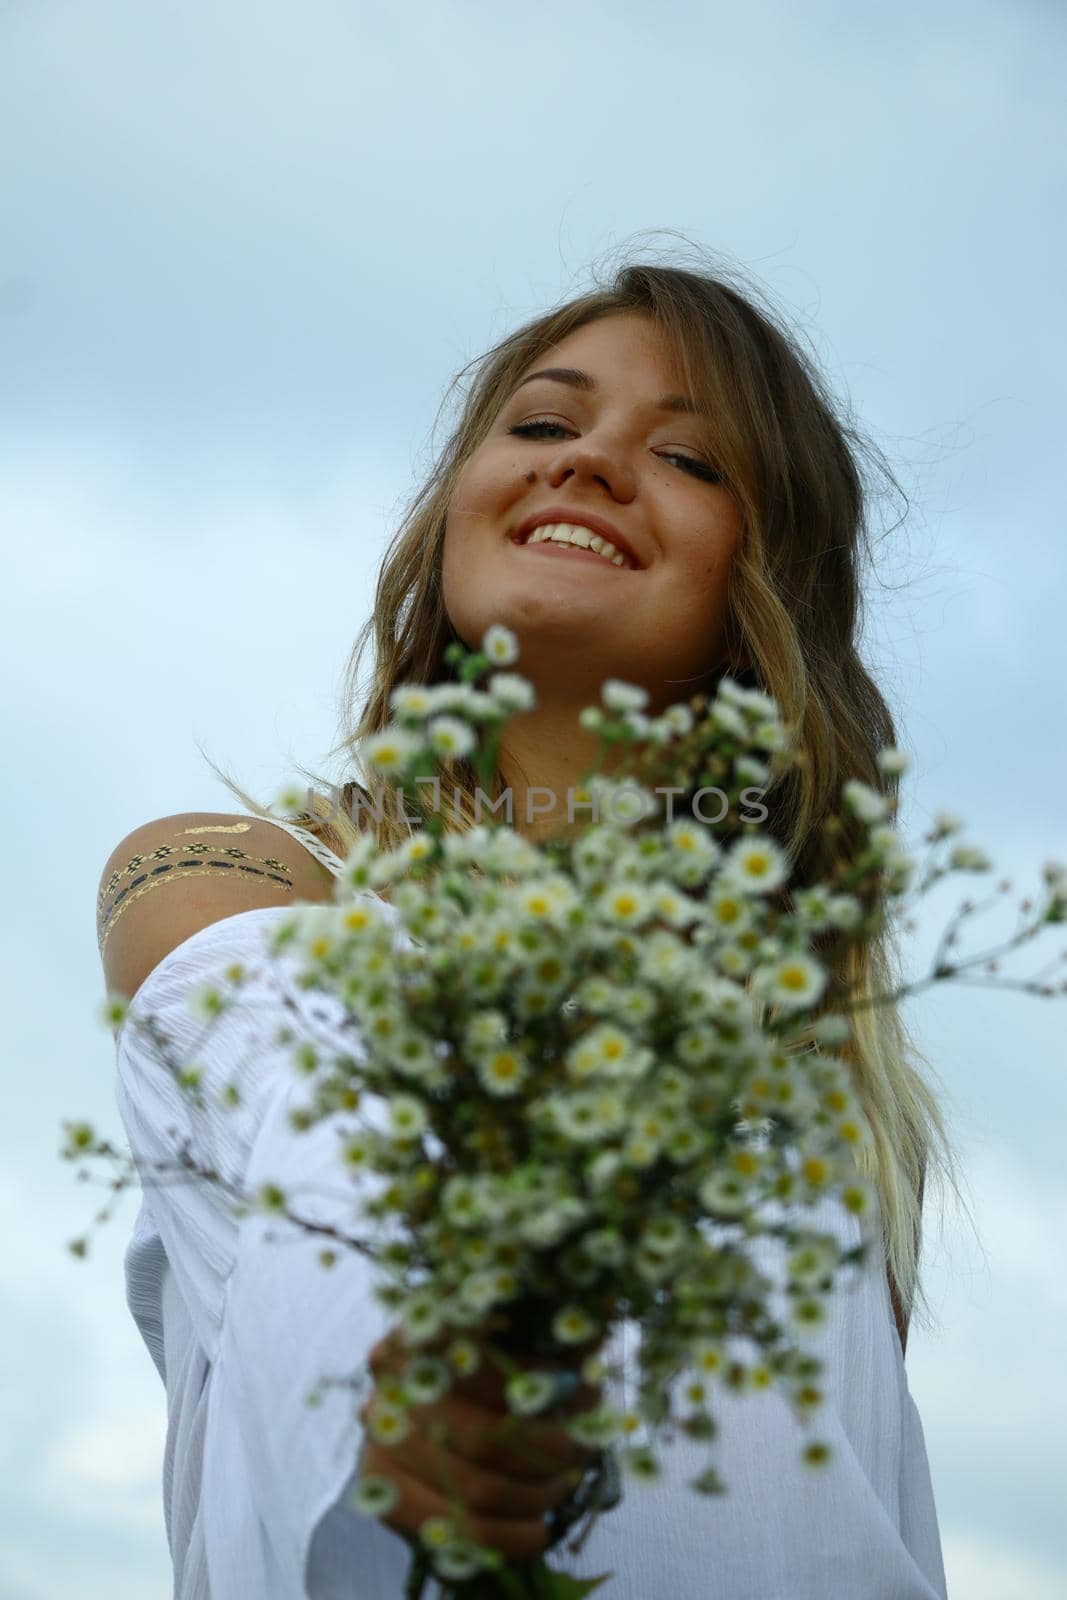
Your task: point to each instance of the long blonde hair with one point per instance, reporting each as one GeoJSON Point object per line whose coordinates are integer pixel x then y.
{"type": "Point", "coordinates": [794, 468]}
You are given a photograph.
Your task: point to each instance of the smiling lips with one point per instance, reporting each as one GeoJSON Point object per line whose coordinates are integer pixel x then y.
{"type": "Point", "coordinates": [594, 543]}
{"type": "Point", "coordinates": [572, 552]}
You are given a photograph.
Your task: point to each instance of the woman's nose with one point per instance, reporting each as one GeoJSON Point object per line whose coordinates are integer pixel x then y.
{"type": "Point", "coordinates": [591, 458]}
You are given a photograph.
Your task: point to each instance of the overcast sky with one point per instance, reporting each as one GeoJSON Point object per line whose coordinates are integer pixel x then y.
{"type": "Point", "coordinates": [243, 249]}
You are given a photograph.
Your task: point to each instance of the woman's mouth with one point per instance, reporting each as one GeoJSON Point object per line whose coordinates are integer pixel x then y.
{"type": "Point", "coordinates": [571, 552]}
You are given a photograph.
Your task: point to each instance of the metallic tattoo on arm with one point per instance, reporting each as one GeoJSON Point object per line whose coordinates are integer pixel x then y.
{"type": "Point", "coordinates": [172, 863]}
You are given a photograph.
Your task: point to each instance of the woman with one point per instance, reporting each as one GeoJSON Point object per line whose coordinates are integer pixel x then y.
{"type": "Point", "coordinates": [670, 415]}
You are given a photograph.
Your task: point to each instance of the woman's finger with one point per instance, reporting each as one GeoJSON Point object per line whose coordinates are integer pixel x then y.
{"type": "Point", "coordinates": [517, 1538]}
{"type": "Point", "coordinates": [437, 1458]}
{"type": "Point", "coordinates": [522, 1448]}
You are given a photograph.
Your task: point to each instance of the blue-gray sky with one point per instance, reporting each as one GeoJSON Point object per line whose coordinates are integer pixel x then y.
{"type": "Point", "coordinates": [243, 248]}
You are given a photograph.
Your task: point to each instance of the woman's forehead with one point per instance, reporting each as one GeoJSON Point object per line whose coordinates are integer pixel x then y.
{"type": "Point", "coordinates": [605, 353]}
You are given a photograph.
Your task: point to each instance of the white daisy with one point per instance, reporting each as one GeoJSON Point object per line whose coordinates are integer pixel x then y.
{"type": "Point", "coordinates": [724, 1194]}
{"type": "Point", "coordinates": [752, 771]}
{"type": "Point", "coordinates": [458, 1559]}
{"type": "Point", "coordinates": [729, 718]}
{"type": "Point", "coordinates": [613, 1047]}
{"type": "Point", "coordinates": [388, 1424]}
{"type": "Point", "coordinates": [461, 1202]}
{"type": "Point", "coordinates": [530, 1392]}
{"type": "Point", "coordinates": [412, 1054]}
{"type": "Point", "coordinates": [605, 1246]}
{"type": "Point", "coordinates": [813, 1257]}
{"type": "Point", "coordinates": [662, 957]}
{"type": "Point", "coordinates": [358, 1151]}
{"type": "Point", "coordinates": [500, 645]}
{"type": "Point", "coordinates": [479, 1292]}
{"type": "Point", "coordinates": [678, 718]}
{"type": "Point", "coordinates": [867, 803]}
{"type": "Point", "coordinates": [501, 1071]}
{"type": "Point", "coordinates": [547, 1226]}
{"type": "Point", "coordinates": [572, 1325]}
{"type": "Point", "coordinates": [757, 864]}
{"type": "Point", "coordinates": [512, 691]}
{"type": "Point", "coordinates": [620, 696]}
{"type": "Point", "coordinates": [450, 737]}
{"type": "Point", "coordinates": [641, 1151]}
{"type": "Point", "coordinates": [637, 723]}
{"type": "Point", "coordinates": [844, 911]}
{"type": "Point", "coordinates": [664, 1235]}
{"type": "Point", "coordinates": [625, 904]}
{"type": "Point", "coordinates": [707, 1356]}
{"type": "Point", "coordinates": [603, 1169]}
{"type": "Point", "coordinates": [761, 705]}
{"type": "Point", "coordinates": [412, 700]}
{"type": "Point", "coordinates": [426, 1380]}
{"type": "Point", "coordinates": [636, 1004]}
{"type": "Point", "coordinates": [436, 1532]}
{"type": "Point", "coordinates": [418, 847]}
{"type": "Point", "coordinates": [290, 800]}
{"type": "Point", "coordinates": [616, 804]}
{"type": "Point", "coordinates": [408, 1115]}
{"type": "Point", "coordinates": [769, 735]}
{"type": "Point", "coordinates": [728, 910]}
{"type": "Point", "coordinates": [485, 1028]}
{"type": "Point", "coordinates": [892, 761]}
{"type": "Point", "coordinates": [420, 1317]}
{"type": "Point", "coordinates": [691, 839]}
{"type": "Point", "coordinates": [685, 1145]}
{"type": "Point", "coordinates": [391, 751]}
{"type": "Point", "coordinates": [796, 980]}
{"type": "Point", "coordinates": [575, 1117]}
{"type": "Point", "coordinates": [728, 688]}
{"type": "Point", "coordinates": [463, 1357]}
{"type": "Point", "coordinates": [508, 852]}
{"type": "Point", "coordinates": [832, 1029]}
{"type": "Point", "coordinates": [374, 1495]}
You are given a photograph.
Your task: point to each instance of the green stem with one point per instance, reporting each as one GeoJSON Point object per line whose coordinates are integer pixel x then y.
{"type": "Point", "coordinates": [418, 1573]}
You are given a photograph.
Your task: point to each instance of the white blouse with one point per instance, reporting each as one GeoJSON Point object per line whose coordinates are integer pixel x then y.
{"type": "Point", "coordinates": [242, 1321]}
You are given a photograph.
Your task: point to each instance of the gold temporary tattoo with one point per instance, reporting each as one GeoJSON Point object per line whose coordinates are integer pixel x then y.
{"type": "Point", "coordinates": [220, 827]}
{"type": "Point", "coordinates": [173, 863]}
{"type": "Point", "coordinates": [157, 883]}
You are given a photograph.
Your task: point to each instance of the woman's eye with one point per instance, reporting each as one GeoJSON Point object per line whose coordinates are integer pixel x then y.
{"type": "Point", "coordinates": [529, 428]}
{"type": "Point", "coordinates": [699, 468]}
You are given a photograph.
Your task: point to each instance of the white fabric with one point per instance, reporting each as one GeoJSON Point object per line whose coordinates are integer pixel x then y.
{"type": "Point", "coordinates": [313, 845]}
{"type": "Point", "coordinates": [241, 1327]}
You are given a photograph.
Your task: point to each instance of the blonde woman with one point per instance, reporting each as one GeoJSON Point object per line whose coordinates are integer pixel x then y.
{"type": "Point", "coordinates": [707, 515]}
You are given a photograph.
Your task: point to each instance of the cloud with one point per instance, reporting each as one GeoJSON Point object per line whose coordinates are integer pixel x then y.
{"type": "Point", "coordinates": [978, 1567]}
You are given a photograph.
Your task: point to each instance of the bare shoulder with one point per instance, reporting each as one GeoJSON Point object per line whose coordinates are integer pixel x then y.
{"type": "Point", "coordinates": [172, 876]}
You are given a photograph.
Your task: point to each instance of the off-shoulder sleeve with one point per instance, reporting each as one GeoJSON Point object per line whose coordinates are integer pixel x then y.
{"type": "Point", "coordinates": [271, 1320]}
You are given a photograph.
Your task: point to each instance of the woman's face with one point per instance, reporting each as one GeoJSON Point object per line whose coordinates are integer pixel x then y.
{"type": "Point", "coordinates": [601, 448]}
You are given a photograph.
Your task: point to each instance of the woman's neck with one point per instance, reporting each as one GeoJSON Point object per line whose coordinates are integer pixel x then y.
{"type": "Point", "coordinates": [544, 754]}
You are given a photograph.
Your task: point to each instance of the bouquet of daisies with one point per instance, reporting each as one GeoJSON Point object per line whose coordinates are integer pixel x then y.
{"type": "Point", "coordinates": [606, 1063]}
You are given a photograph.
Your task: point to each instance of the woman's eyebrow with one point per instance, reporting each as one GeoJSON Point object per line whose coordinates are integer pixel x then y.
{"type": "Point", "coordinates": [584, 380]}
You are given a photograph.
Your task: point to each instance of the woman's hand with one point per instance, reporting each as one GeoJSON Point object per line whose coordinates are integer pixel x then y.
{"type": "Point", "coordinates": [506, 1470]}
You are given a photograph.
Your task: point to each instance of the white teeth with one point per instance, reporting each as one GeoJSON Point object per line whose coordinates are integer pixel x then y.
{"type": "Point", "coordinates": [569, 533]}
